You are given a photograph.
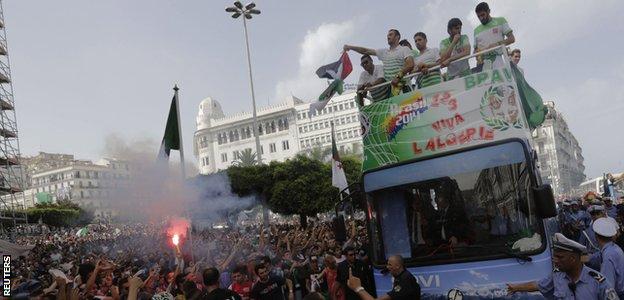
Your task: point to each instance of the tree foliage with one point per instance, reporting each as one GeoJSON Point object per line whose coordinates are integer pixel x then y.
{"type": "Point", "coordinates": [300, 186]}
{"type": "Point", "coordinates": [246, 158]}
{"type": "Point", "coordinates": [61, 213]}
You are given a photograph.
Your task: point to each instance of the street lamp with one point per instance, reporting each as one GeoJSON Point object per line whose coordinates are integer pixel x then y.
{"type": "Point", "coordinates": [248, 11]}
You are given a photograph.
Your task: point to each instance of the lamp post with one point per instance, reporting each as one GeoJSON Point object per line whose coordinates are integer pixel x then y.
{"type": "Point", "coordinates": [247, 12]}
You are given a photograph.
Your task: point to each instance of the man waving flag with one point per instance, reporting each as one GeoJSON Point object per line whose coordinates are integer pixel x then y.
{"type": "Point", "coordinates": [339, 179]}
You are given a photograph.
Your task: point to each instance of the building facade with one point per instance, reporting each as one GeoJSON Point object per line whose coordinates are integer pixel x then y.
{"type": "Point", "coordinates": [559, 154]}
{"type": "Point", "coordinates": [90, 184]}
{"type": "Point", "coordinates": [285, 129]}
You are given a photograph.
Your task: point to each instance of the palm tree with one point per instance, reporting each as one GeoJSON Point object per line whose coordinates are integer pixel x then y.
{"type": "Point", "coordinates": [246, 158]}
{"type": "Point", "coordinates": [318, 152]}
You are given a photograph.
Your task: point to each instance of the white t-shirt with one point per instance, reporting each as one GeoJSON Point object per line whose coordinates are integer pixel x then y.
{"type": "Point", "coordinates": [379, 93]}
{"type": "Point", "coordinates": [366, 77]}
{"type": "Point", "coordinates": [429, 56]}
{"type": "Point", "coordinates": [488, 34]}
{"type": "Point", "coordinates": [393, 60]}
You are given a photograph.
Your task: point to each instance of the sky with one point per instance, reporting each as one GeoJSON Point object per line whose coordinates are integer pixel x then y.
{"type": "Point", "coordinates": [86, 71]}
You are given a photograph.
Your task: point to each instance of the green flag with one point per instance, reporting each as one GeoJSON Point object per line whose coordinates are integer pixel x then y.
{"type": "Point", "coordinates": [171, 139]}
{"type": "Point", "coordinates": [532, 104]}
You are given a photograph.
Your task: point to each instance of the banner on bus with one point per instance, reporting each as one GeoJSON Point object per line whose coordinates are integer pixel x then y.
{"type": "Point", "coordinates": [468, 111]}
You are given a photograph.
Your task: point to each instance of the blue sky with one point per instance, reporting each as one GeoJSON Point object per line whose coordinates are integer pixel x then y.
{"type": "Point", "coordinates": [85, 70]}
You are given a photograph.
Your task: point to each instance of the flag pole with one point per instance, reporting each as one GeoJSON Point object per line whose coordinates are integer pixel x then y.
{"type": "Point", "coordinates": [182, 166]}
{"type": "Point", "coordinates": [177, 100]}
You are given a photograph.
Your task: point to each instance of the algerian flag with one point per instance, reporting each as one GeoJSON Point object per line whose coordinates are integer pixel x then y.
{"type": "Point", "coordinates": [337, 71]}
{"type": "Point", "coordinates": [82, 232]}
{"type": "Point", "coordinates": [532, 104]}
{"type": "Point", "coordinates": [171, 139]}
{"type": "Point", "coordinates": [339, 179]}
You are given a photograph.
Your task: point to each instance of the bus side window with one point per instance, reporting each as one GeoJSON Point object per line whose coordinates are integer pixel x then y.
{"type": "Point", "coordinates": [394, 224]}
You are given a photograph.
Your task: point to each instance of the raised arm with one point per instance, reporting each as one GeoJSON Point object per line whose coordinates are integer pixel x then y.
{"type": "Point", "coordinates": [360, 50]}
{"type": "Point", "coordinates": [230, 257]}
{"type": "Point", "coordinates": [447, 56]}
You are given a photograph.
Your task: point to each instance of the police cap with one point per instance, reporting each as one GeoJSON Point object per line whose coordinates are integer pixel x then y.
{"type": "Point", "coordinates": [560, 242]}
{"type": "Point", "coordinates": [605, 227]}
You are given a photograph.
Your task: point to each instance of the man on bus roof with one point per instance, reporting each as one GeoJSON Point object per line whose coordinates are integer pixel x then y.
{"type": "Point", "coordinates": [371, 76]}
{"type": "Point", "coordinates": [397, 60]}
{"type": "Point", "coordinates": [493, 31]}
{"type": "Point", "coordinates": [453, 48]}
{"type": "Point", "coordinates": [570, 278]}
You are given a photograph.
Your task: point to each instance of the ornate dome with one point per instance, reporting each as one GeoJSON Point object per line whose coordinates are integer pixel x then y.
{"type": "Point", "coordinates": [208, 109]}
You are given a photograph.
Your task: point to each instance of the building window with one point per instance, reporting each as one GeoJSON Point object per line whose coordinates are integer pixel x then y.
{"type": "Point", "coordinates": [340, 107]}
{"type": "Point", "coordinates": [272, 147]}
{"type": "Point", "coordinates": [329, 109]}
{"type": "Point", "coordinates": [302, 144]}
{"type": "Point", "coordinates": [300, 130]}
{"type": "Point", "coordinates": [235, 155]}
{"type": "Point", "coordinates": [224, 157]}
{"type": "Point", "coordinates": [316, 126]}
{"type": "Point", "coordinates": [285, 145]}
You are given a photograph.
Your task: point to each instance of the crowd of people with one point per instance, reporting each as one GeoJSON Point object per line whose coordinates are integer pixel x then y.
{"type": "Point", "coordinates": [283, 261]}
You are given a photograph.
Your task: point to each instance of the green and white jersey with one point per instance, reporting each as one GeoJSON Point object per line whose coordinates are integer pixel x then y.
{"type": "Point", "coordinates": [491, 33]}
{"type": "Point", "coordinates": [393, 60]}
{"type": "Point", "coordinates": [457, 67]}
{"type": "Point", "coordinates": [429, 56]}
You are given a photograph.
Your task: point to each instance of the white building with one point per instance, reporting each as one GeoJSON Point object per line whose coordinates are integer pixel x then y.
{"type": "Point", "coordinates": [559, 153]}
{"type": "Point", "coordinates": [61, 177]}
{"type": "Point", "coordinates": [285, 129]}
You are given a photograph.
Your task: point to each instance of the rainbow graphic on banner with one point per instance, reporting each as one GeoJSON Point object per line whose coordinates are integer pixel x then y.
{"type": "Point", "coordinates": [407, 111]}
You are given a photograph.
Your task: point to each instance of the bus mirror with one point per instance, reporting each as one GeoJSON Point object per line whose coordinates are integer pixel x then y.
{"type": "Point", "coordinates": [545, 201]}
{"type": "Point", "coordinates": [340, 230]}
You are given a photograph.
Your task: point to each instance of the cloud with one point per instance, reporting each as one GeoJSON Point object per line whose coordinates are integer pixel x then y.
{"type": "Point", "coordinates": [320, 46]}
{"type": "Point", "coordinates": [593, 110]}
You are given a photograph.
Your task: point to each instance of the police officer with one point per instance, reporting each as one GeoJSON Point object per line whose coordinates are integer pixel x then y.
{"type": "Point", "coordinates": [612, 257]}
{"type": "Point", "coordinates": [570, 279]}
{"type": "Point", "coordinates": [404, 286]}
{"type": "Point", "coordinates": [610, 208]}
{"type": "Point", "coordinates": [588, 237]}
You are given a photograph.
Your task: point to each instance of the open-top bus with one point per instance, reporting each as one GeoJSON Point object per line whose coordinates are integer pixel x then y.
{"type": "Point", "coordinates": [451, 184]}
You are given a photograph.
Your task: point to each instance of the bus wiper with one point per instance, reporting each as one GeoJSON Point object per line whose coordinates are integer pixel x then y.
{"type": "Point", "coordinates": [520, 256]}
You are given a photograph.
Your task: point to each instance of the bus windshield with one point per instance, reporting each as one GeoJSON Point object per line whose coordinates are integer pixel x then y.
{"type": "Point", "coordinates": [464, 206]}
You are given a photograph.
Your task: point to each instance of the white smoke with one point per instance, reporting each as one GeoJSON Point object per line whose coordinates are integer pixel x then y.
{"type": "Point", "coordinates": [156, 190]}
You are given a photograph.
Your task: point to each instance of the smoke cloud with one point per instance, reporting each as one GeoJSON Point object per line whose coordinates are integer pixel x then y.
{"type": "Point", "coordinates": [156, 191]}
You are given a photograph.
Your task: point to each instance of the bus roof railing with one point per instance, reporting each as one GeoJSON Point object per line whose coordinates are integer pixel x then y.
{"type": "Point", "coordinates": [437, 66]}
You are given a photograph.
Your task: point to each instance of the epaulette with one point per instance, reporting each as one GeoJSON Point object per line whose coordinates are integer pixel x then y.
{"type": "Point", "coordinates": [556, 270]}
{"type": "Point", "coordinates": [599, 277]}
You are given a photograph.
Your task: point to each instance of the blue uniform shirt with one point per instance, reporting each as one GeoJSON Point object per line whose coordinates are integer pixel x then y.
{"type": "Point", "coordinates": [588, 239]}
{"type": "Point", "coordinates": [611, 211]}
{"type": "Point", "coordinates": [612, 266]}
{"type": "Point", "coordinates": [591, 285]}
